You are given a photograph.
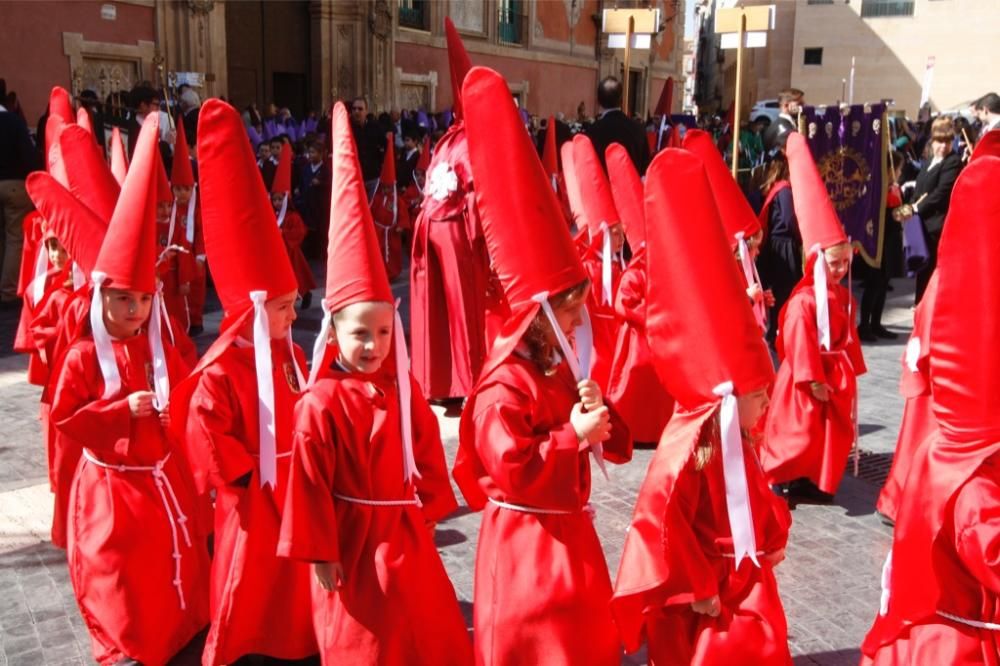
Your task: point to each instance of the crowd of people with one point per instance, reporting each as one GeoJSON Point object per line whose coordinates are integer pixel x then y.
{"type": "Point", "coordinates": [574, 295]}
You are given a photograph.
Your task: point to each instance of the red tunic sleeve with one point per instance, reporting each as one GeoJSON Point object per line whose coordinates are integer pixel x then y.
{"type": "Point", "coordinates": [309, 519]}
{"type": "Point", "coordinates": [801, 340]}
{"type": "Point", "coordinates": [977, 527]}
{"type": "Point", "coordinates": [433, 486]}
{"type": "Point", "coordinates": [217, 454]}
{"type": "Point", "coordinates": [528, 464]}
{"type": "Point", "coordinates": [630, 301]}
{"type": "Point", "coordinates": [101, 425]}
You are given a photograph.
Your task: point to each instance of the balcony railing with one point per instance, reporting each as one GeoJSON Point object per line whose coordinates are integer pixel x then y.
{"type": "Point", "coordinates": [512, 28]}
{"type": "Point", "coordinates": [879, 8]}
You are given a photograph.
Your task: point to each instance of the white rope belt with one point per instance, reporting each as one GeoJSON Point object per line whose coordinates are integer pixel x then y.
{"type": "Point", "coordinates": [733, 555]}
{"type": "Point", "coordinates": [172, 507]}
{"type": "Point", "coordinates": [587, 508]}
{"type": "Point", "coordinates": [978, 624]}
{"type": "Point", "coordinates": [368, 502]}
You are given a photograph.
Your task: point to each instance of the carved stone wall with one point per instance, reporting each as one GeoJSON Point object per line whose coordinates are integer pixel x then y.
{"type": "Point", "coordinates": [106, 67]}
{"type": "Point", "coordinates": [191, 37]}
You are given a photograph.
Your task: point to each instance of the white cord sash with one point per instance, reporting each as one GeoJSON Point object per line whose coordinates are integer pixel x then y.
{"type": "Point", "coordinates": [978, 624]}
{"type": "Point", "coordinates": [154, 330]}
{"type": "Point", "coordinates": [37, 288]}
{"type": "Point", "coordinates": [102, 340]}
{"type": "Point", "coordinates": [587, 508]}
{"type": "Point", "coordinates": [283, 211]}
{"type": "Point", "coordinates": [822, 302]}
{"type": "Point", "coordinates": [410, 471]}
{"type": "Point", "coordinates": [735, 473]}
{"type": "Point", "coordinates": [377, 503]}
{"type": "Point", "coordinates": [189, 223]}
{"type": "Point", "coordinates": [263, 366]}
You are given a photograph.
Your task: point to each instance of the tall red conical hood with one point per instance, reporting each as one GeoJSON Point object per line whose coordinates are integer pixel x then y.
{"type": "Point", "coordinates": [515, 201]}
{"type": "Point", "coordinates": [388, 176]}
{"type": "Point", "coordinates": [90, 180]}
{"type": "Point", "coordinates": [128, 254]}
{"type": "Point", "coordinates": [54, 162]}
{"type": "Point", "coordinates": [181, 173]}
{"type": "Point", "coordinates": [424, 161]}
{"type": "Point", "coordinates": [695, 298]}
{"type": "Point", "coordinates": [283, 174]}
{"type": "Point", "coordinates": [163, 191]}
{"type": "Point", "coordinates": [573, 187]}
{"type": "Point", "coordinates": [550, 155]}
{"type": "Point", "coordinates": [119, 158]}
{"type": "Point", "coordinates": [737, 216]}
{"type": "Point", "coordinates": [83, 120]}
{"type": "Point", "coordinates": [458, 64]}
{"type": "Point", "coordinates": [626, 188]}
{"type": "Point", "coordinates": [594, 190]}
{"type": "Point", "coordinates": [818, 221]}
{"type": "Point", "coordinates": [61, 105]}
{"type": "Point", "coordinates": [675, 140]}
{"type": "Point", "coordinates": [242, 241]}
{"type": "Point", "coordinates": [355, 271]}
{"type": "Point", "coordinates": [77, 227]}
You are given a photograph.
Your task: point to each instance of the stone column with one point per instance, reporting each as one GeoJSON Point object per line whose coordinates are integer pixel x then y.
{"type": "Point", "coordinates": [191, 37]}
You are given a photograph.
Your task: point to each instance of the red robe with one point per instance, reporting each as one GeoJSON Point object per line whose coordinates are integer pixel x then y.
{"type": "Point", "coordinates": [176, 271]}
{"type": "Point", "coordinates": [679, 550]}
{"type": "Point", "coordinates": [396, 605]}
{"type": "Point", "coordinates": [603, 318]}
{"type": "Point", "coordinates": [389, 227]}
{"type": "Point", "coordinates": [293, 232]}
{"type": "Point", "coordinates": [252, 589]}
{"type": "Point", "coordinates": [24, 341]}
{"type": "Point", "coordinates": [542, 588]}
{"type": "Point", "coordinates": [196, 299]}
{"type": "Point", "coordinates": [804, 437]}
{"type": "Point", "coordinates": [448, 273]}
{"type": "Point", "coordinates": [634, 387]}
{"type": "Point", "coordinates": [138, 560]}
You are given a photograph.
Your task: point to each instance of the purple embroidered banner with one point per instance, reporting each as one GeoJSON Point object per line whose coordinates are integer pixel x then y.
{"type": "Point", "coordinates": [849, 146]}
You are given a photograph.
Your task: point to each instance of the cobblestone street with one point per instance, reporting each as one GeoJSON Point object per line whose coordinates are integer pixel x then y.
{"type": "Point", "coordinates": [829, 581]}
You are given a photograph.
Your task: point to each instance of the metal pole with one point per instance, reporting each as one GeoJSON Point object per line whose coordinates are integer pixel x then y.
{"type": "Point", "coordinates": [628, 57]}
{"type": "Point", "coordinates": [739, 92]}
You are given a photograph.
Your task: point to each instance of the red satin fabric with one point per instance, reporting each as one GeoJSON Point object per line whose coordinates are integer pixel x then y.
{"type": "Point", "coordinates": [43, 333]}
{"type": "Point", "coordinates": [119, 535]}
{"type": "Point", "coordinates": [542, 586]}
{"type": "Point", "coordinates": [252, 589]}
{"type": "Point", "coordinates": [634, 388]}
{"type": "Point", "coordinates": [196, 299]}
{"type": "Point", "coordinates": [675, 554]}
{"type": "Point", "coordinates": [806, 438]}
{"type": "Point", "coordinates": [176, 271]}
{"type": "Point", "coordinates": [293, 232]}
{"type": "Point", "coordinates": [388, 231]}
{"type": "Point", "coordinates": [604, 320]}
{"type": "Point", "coordinates": [397, 605]}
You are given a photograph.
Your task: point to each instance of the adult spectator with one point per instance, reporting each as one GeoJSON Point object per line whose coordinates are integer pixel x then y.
{"type": "Point", "coordinates": [790, 103]}
{"type": "Point", "coordinates": [613, 126]}
{"type": "Point", "coordinates": [370, 141]}
{"type": "Point", "coordinates": [988, 112]}
{"type": "Point", "coordinates": [145, 99]}
{"type": "Point", "coordinates": [190, 105]}
{"type": "Point", "coordinates": [17, 160]}
{"type": "Point", "coordinates": [932, 192]}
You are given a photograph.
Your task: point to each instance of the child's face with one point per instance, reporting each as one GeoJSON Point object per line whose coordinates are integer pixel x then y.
{"type": "Point", "coordinates": [276, 199]}
{"type": "Point", "coordinates": [281, 315]}
{"type": "Point", "coordinates": [182, 193]}
{"type": "Point", "coordinates": [264, 151]}
{"type": "Point", "coordinates": [409, 143]}
{"type": "Point", "coordinates": [569, 315]}
{"type": "Point", "coordinates": [752, 407]}
{"type": "Point", "coordinates": [163, 212]}
{"type": "Point", "coordinates": [57, 253]}
{"type": "Point", "coordinates": [315, 156]}
{"type": "Point", "coordinates": [276, 149]}
{"type": "Point", "coordinates": [838, 261]}
{"type": "Point", "coordinates": [363, 332]}
{"type": "Point", "coordinates": [125, 311]}
{"type": "Point", "coordinates": [617, 237]}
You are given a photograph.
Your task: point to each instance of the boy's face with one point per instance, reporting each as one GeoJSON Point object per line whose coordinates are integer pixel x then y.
{"type": "Point", "coordinates": [125, 311]}
{"type": "Point", "coordinates": [276, 199]}
{"type": "Point", "coordinates": [264, 151]}
{"type": "Point", "coordinates": [163, 212]}
{"type": "Point", "coordinates": [281, 315]}
{"type": "Point", "coordinates": [409, 143]}
{"type": "Point", "coordinates": [182, 193]}
{"type": "Point", "coordinates": [315, 156]}
{"type": "Point", "coordinates": [57, 253]}
{"type": "Point", "coordinates": [363, 332]}
{"type": "Point", "coordinates": [276, 149]}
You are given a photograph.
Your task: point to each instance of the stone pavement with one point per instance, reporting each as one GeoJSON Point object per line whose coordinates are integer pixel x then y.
{"type": "Point", "coordinates": [829, 582]}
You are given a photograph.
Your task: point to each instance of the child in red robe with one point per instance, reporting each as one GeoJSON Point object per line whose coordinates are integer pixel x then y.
{"type": "Point", "coordinates": [175, 263]}
{"type": "Point", "coordinates": [811, 426]}
{"type": "Point", "coordinates": [634, 385]}
{"type": "Point", "coordinates": [35, 281]}
{"type": "Point", "coordinates": [534, 420]}
{"type": "Point", "coordinates": [389, 214]}
{"type": "Point", "coordinates": [368, 478]}
{"type": "Point", "coordinates": [237, 407]}
{"type": "Point", "coordinates": [293, 229]}
{"type": "Point", "coordinates": [696, 578]}
{"type": "Point", "coordinates": [186, 214]}
{"type": "Point", "coordinates": [138, 561]}
{"type": "Point", "coordinates": [941, 581]}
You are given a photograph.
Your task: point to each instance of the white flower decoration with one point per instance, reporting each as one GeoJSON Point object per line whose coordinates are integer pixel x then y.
{"type": "Point", "coordinates": [443, 182]}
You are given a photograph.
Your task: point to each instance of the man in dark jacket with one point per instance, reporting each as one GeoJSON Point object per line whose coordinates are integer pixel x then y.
{"type": "Point", "coordinates": [613, 126]}
{"type": "Point", "coordinates": [17, 160]}
{"type": "Point", "coordinates": [370, 141]}
{"type": "Point", "coordinates": [790, 103]}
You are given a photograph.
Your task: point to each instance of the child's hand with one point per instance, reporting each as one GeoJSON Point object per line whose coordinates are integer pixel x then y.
{"type": "Point", "coordinates": [710, 607]}
{"type": "Point", "coordinates": [140, 403]}
{"type": "Point", "coordinates": [820, 391]}
{"type": "Point", "coordinates": [769, 298]}
{"type": "Point", "coordinates": [593, 426]}
{"type": "Point", "coordinates": [775, 558]}
{"type": "Point", "coordinates": [590, 394]}
{"type": "Point", "coordinates": [329, 575]}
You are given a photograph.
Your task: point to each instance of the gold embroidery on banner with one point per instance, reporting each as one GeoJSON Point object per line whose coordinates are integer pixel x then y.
{"type": "Point", "coordinates": [846, 174]}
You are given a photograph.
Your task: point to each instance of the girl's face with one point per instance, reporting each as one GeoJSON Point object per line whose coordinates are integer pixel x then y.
{"type": "Point", "coordinates": [838, 261]}
{"type": "Point", "coordinates": [276, 199]}
{"type": "Point", "coordinates": [57, 253]}
{"type": "Point", "coordinates": [281, 314]}
{"type": "Point", "coordinates": [125, 311]}
{"type": "Point", "coordinates": [569, 315]}
{"type": "Point", "coordinates": [363, 333]}
{"type": "Point", "coordinates": [182, 193]}
{"type": "Point", "coordinates": [617, 237]}
{"type": "Point", "coordinates": [753, 244]}
{"type": "Point", "coordinates": [752, 407]}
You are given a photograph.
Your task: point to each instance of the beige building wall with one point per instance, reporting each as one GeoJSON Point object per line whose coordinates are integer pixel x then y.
{"type": "Point", "coordinates": [767, 70]}
{"type": "Point", "coordinates": [891, 52]}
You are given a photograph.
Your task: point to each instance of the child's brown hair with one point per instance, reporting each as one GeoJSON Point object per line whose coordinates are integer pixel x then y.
{"type": "Point", "coordinates": [540, 350]}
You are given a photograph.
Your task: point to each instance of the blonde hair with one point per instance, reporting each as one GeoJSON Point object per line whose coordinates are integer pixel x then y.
{"type": "Point", "coordinates": [705, 449]}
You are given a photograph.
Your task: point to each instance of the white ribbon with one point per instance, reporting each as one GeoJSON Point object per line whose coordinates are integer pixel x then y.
{"type": "Point", "coordinates": [555, 183]}
{"type": "Point", "coordinates": [173, 222]}
{"type": "Point", "coordinates": [606, 259]}
{"type": "Point", "coordinates": [79, 277]}
{"type": "Point", "coordinates": [283, 211]}
{"type": "Point", "coordinates": [154, 330]}
{"type": "Point", "coordinates": [102, 340]}
{"type": "Point", "coordinates": [883, 604]}
{"type": "Point", "coordinates": [410, 472]}
{"type": "Point", "coordinates": [41, 269]}
{"type": "Point", "coordinates": [822, 302]}
{"type": "Point", "coordinates": [750, 274]}
{"type": "Point", "coordinates": [735, 473]}
{"type": "Point", "coordinates": [161, 305]}
{"type": "Point", "coordinates": [319, 346]}
{"type": "Point", "coordinates": [579, 366]}
{"type": "Point", "coordinates": [300, 378]}
{"type": "Point", "coordinates": [659, 135]}
{"type": "Point", "coordinates": [189, 225]}
{"type": "Point", "coordinates": [265, 390]}
{"type": "Point", "coordinates": [913, 353]}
